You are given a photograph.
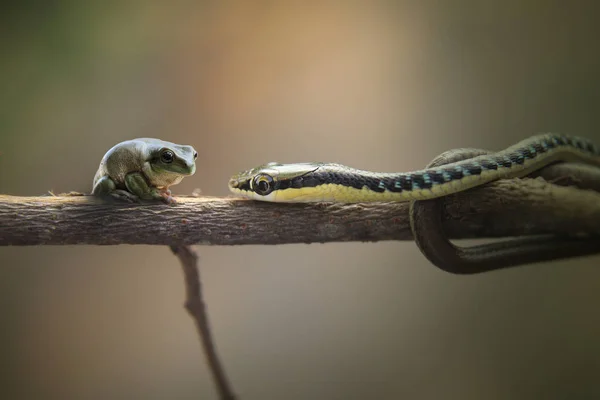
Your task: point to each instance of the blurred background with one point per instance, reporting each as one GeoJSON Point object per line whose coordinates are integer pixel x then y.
{"type": "Point", "coordinates": [384, 86]}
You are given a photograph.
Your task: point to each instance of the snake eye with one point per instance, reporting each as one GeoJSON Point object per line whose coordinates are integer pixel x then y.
{"type": "Point", "coordinates": [167, 156]}
{"type": "Point", "coordinates": [263, 184]}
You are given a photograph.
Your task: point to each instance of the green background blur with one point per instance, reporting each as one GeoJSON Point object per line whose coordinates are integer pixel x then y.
{"type": "Point", "coordinates": [377, 85]}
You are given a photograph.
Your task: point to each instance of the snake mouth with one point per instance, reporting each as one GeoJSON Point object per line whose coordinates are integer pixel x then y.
{"type": "Point", "coordinates": [239, 184]}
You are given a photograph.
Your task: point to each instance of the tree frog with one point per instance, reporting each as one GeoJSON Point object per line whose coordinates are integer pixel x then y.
{"type": "Point", "coordinates": [144, 168]}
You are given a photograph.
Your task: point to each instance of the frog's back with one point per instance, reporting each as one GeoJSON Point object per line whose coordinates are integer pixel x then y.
{"type": "Point", "coordinates": [123, 158]}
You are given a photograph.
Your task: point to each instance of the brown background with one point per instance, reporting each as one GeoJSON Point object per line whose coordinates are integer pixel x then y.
{"type": "Point", "coordinates": [377, 85]}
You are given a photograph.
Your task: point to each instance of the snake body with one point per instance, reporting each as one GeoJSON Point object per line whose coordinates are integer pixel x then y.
{"type": "Point", "coordinates": [454, 171]}
{"type": "Point", "coordinates": [329, 182]}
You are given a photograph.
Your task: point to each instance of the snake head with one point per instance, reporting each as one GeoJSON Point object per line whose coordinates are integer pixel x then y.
{"type": "Point", "coordinates": [267, 181]}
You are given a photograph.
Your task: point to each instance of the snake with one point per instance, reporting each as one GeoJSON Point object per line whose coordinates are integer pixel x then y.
{"type": "Point", "coordinates": [454, 171]}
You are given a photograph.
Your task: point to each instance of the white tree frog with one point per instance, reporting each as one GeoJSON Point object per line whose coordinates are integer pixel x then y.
{"type": "Point", "coordinates": [144, 168]}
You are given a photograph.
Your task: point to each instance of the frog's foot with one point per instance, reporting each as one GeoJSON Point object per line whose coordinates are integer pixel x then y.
{"type": "Point", "coordinates": [167, 198]}
{"type": "Point", "coordinates": [124, 195]}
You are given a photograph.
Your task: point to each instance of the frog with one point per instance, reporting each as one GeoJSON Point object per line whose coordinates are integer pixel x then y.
{"type": "Point", "coordinates": [144, 169]}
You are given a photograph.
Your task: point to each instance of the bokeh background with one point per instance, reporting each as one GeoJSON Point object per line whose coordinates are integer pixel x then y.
{"type": "Point", "coordinates": [376, 85]}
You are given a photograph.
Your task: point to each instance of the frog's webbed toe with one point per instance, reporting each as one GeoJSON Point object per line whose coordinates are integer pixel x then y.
{"type": "Point", "coordinates": [167, 198]}
{"type": "Point", "coordinates": [124, 195]}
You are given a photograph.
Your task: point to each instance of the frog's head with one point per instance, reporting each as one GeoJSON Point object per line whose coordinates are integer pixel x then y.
{"type": "Point", "coordinates": [169, 162]}
{"type": "Point", "coordinates": [175, 159]}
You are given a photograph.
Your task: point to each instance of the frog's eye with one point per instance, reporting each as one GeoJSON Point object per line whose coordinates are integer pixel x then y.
{"type": "Point", "coordinates": [195, 155]}
{"type": "Point", "coordinates": [167, 156]}
{"type": "Point", "coordinates": [263, 184]}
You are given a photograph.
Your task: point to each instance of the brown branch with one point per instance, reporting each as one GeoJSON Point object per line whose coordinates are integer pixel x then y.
{"type": "Point", "coordinates": [503, 208]}
{"type": "Point", "coordinates": [196, 307]}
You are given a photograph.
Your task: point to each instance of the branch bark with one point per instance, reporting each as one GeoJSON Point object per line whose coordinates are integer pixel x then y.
{"type": "Point", "coordinates": [503, 208]}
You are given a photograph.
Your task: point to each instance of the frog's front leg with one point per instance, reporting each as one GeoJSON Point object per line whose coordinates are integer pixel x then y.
{"type": "Point", "coordinates": [137, 184]}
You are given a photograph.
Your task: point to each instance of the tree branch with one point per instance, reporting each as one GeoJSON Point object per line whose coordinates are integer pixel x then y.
{"type": "Point", "coordinates": [503, 208]}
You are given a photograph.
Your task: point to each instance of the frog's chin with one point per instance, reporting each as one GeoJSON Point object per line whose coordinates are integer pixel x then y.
{"type": "Point", "coordinates": [181, 173]}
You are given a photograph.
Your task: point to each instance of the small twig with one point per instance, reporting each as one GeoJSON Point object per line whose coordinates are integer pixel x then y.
{"type": "Point", "coordinates": [196, 307]}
